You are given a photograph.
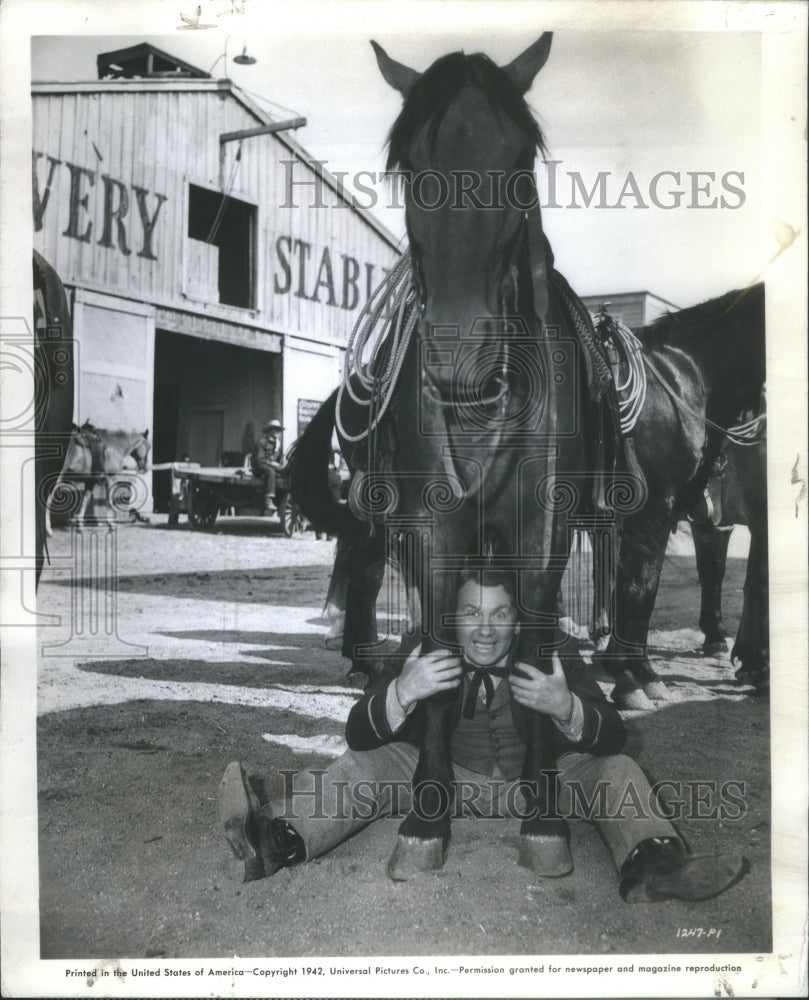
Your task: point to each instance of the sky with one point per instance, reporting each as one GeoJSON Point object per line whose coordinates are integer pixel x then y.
{"type": "Point", "coordinates": [619, 109]}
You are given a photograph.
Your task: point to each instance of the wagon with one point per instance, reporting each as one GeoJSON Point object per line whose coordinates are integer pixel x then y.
{"type": "Point", "coordinates": [209, 491]}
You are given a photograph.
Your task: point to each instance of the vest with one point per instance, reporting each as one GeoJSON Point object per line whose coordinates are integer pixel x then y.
{"type": "Point", "coordinates": [489, 738]}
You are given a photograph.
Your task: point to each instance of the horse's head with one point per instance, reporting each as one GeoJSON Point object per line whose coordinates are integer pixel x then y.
{"type": "Point", "coordinates": [140, 451]}
{"type": "Point", "coordinates": [465, 144]}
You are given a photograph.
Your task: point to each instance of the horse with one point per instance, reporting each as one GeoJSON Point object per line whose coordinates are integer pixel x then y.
{"type": "Point", "coordinates": [469, 419]}
{"type": "Point", "coordinates": [704, 365]}
{"type": "Point", "coordinates": [740, 497]}
{"type": "Point", "coordinates": [96, 457]}
{"type": "Point", "coordinates": [53, 391]}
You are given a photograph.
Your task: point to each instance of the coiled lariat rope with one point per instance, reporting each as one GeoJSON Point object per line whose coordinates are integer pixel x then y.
{"type": "Point", "coordinates": [632, 391]}
{"type": "Point", "coordinates": [371, 381]}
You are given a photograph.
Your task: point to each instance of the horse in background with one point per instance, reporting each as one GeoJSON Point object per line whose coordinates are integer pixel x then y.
{"type": "Point", "coordinates": [738, 495]}
{"type": "Point", "coordinates": [53, 391]}
{"type": "Point", "coordinates": [97, 457]}
{"type": "Point", "coordinates": [471, 410]}
{"type": "Point", "coordinates": [705, 367]}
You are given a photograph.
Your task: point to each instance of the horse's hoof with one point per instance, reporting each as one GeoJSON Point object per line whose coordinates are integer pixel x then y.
{"type": "Point", "coordinates": [717, 647]}
{"type": "Point", "coordinates": [337, 622]}
{"type": "Point", "coordinates": [412, 856]}
{"type": "Point", "coordinates": [546, 855]}
{"type": "Point", "coordinates": [631, 699]}
{"type": "Point", "coordinates": [757, 677]}
{"type": "Point", "coordinates": [657, 691]}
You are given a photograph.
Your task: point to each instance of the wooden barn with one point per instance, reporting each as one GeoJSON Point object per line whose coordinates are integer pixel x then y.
{"type": "Point", "coordinates": [215, 271]}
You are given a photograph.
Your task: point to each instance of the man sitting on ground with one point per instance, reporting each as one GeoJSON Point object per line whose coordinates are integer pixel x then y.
{"type": "Point", "coordinates": [487, 751]}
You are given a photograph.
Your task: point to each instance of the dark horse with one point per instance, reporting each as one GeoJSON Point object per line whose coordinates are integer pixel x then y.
{"type": "Point", "coordinates": [739, 497]}
{"type": "Point", "coordinates": [705, 366]}
{"type": "Point", "coordinates": [53, 380]}
{"type": "Point", "coordinates": [474, 424]}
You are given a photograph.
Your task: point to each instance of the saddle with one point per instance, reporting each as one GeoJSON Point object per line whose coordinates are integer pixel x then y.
{"type": "Point", "coordinates": [613, 447]}
{"type": "Point", "coordinates": [612, 451]}
{"type": "Point", "coordinates": [89, 437]}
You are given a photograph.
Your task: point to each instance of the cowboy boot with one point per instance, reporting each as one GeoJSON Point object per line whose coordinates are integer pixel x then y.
{"type": "Point", "coordinates": [264, 842]}
{"type": "Point", "coordinates": [662, 868]}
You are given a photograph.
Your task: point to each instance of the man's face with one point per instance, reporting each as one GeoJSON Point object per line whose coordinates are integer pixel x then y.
{"type": "Point", "coordinates": [486, 623]}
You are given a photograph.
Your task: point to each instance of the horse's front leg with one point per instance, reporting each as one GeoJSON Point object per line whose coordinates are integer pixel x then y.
{"type": "Point", "coordinates": [711, 549]}
{"type": "Point", "coordinates": [544, 839]}
{"type": "Point", "coordinates": [752, 645]}
{"type": "Point", "coordinates": [642, 549]}
{"type": "Point", "coordinates": [85, 502]}
{"type": "Point", "coordinates": [424, 835]}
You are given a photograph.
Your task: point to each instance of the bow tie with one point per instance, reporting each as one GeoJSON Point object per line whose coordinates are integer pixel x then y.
{"type": "Point", "coordinates": [478, 676]}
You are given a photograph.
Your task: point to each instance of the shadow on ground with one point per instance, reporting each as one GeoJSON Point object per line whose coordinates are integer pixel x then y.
{"type": "Point", "coordinates": [128, 839]}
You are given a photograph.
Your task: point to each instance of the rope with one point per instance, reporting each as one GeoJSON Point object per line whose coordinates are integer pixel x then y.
{"type": "Point", "coordinates": [741, 435]}
{"type": "Point", "coordinates": [370, 382]}
{"type": "Point", "coordinates": [749, 432]}
{"type": "Point", "coordinates": [632, 391]}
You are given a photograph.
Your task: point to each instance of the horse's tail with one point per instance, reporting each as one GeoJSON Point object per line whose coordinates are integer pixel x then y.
{"type": "Point", "coordinates": [308, 469]}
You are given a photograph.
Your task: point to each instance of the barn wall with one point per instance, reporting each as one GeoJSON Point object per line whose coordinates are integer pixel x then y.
{"type": "Point", "coordinates": [124, 173]}
{"type": "Point", "coordinates": [112, 171]}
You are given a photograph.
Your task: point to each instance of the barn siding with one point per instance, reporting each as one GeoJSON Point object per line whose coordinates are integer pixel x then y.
{"type": "Point", "coordinates": [215, 364]}
{"type": "Point", "coordinates": [162, 141]}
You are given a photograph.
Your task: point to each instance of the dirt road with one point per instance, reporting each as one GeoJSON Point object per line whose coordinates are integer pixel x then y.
{"type": "Point", "coordinates": [217, 654]}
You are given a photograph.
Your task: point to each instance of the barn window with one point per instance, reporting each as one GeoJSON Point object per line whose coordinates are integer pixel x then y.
{"type": "Point", "coordinates": [221, 235]}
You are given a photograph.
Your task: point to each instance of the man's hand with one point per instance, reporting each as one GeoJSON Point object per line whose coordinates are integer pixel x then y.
{"type": "Point", "coordinates": [427, 673]}
{"type": "Point", "coordinates": [547, 693]}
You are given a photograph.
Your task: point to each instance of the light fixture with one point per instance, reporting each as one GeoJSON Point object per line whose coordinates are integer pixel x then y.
{"type": "Point", "coordinates": [244, 59]}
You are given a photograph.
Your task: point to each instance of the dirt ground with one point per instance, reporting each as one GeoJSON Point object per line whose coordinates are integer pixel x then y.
{"type": "Point", "coordinates": [217, 654]}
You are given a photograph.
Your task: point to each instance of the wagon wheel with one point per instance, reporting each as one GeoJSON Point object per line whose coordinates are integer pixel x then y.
{"type": "Point", "coordinates": [292, 519]}
{"type": "Point", "coordinates": [202, 507]}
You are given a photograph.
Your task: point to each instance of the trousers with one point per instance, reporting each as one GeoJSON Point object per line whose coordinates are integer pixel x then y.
{"type": "Point", "coordinates": [326, 806]}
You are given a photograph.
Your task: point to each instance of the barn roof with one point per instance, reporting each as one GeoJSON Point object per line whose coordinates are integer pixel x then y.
{"type": "Point", "coordinates": [189, 85]}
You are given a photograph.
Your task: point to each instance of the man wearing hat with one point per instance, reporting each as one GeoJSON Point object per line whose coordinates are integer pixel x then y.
{"type": "Point", "coordinates": [267, 460]}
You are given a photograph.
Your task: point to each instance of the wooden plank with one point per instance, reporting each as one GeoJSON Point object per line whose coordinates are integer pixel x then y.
{"type": "Point", "coordinates": [246, 133]}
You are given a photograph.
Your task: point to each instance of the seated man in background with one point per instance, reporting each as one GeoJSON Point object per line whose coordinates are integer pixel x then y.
{"type": "Point", "coordinates": [267, 460]}
{"type": "Point", "coordinates": [373, 778]}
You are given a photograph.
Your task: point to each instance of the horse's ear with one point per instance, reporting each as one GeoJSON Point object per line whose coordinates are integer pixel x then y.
{"type": "Point", "coordinates": [525, 67]}
{"type": "Point", "coordinates": [538, 261]}
{"type": "Point", "coordinates": [146, 433]}
{"type": "Point", "coordinates": [399, 76]}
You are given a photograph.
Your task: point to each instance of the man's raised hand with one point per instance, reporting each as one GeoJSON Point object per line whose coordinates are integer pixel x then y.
{"type": "Point", "coordinates": [547, 693]}
{"type": "Point", "coordinates": [425, 674]}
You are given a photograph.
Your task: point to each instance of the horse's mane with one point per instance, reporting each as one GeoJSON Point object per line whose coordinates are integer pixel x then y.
{"type": "Point", "coordinates": [431, 95]}
{"type": "Point", "coordinates": [711, 317]}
